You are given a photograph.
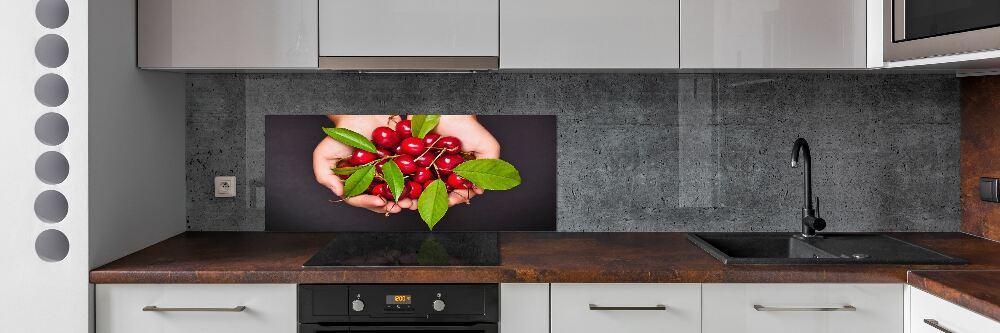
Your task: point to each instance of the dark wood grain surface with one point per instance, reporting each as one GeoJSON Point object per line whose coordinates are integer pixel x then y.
{"type": "Point", "coordinates": [980, 153]}
{"type": "Point", "coordinates": [978, 291]}
{"type": "Point", "coordinates": [258, 257]}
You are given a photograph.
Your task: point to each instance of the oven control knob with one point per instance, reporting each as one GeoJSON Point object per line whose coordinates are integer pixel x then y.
{"type": "Point", "coordinates": [358, 305]}
{"type": "Point", "coordinates": [438, 305]}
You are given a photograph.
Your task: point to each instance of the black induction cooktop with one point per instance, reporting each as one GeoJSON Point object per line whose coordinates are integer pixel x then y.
{"type": "Point", "coordinates": [409, 249]}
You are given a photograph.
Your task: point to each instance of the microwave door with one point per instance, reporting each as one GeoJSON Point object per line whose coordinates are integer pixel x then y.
{"type": "Point", "coordinates": [915, 29]}
{"type": "Point", "coordinates": [916, 19]}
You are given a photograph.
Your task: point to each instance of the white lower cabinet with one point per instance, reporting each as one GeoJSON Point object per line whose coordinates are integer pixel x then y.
{"type": "Point", "coordinates": [930, 314]}
{"type": "Point", "coordinates": [802, 308]}
{"type": "Point", "coordinates": [187, 308]}
{"type": "Point", "coordinates": [628, 307]}
{"type": "Point", "coordinates": [524, 307]}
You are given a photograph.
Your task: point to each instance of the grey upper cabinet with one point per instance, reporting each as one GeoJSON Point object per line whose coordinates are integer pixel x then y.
{"type": "Point", "coordinates": [780, 34]}
{"type": "Point", "coordinates": [219, 34]}
{"type": "Point", "coordinates": [589, 34]}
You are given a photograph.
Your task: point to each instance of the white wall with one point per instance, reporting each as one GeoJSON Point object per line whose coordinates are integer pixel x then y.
{"type": "Point", "coordinates": [38, 295]}
{"type": "Point", "coordinates": [137, 186]}
{"type": "Point", "coordinates": [125, 149]}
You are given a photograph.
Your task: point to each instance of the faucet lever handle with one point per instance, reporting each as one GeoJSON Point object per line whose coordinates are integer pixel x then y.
{"type": "Point", "coordinates": [817, 206]}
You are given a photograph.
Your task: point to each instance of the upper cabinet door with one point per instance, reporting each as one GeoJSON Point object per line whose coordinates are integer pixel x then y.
{"type": "Point", "coordinates": [177, 34]}
{"type": "Point", "coordinates": [774, 34]}
{"type": "Point", "coordinates": [589, 34]}
{"type": "Point", "coordinates": [413, 28]}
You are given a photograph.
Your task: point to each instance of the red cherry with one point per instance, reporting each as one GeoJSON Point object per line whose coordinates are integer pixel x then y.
{"type": "Point", "coordinates": [405, 164]}
{"type": "Point", "coordinates": [385, 137]}
{"type": "Point", "coordinates": [458, 182]}
{"type": "Point", "coordinates": [379, 189]}
{"type": "Point", "coordinates": [378, 166]}
{"type": "Point", "coordinates": [430, 139]}
{"type": "Point", "coordinates": [411, 146]}
{"type": "Point", "coordinates": [424, 160]}
{"type": "Point", "coordinates": [387, 193]}
{"type": "Point", "coordinates": [360, 157]}
{"type": "Point", "coordinates": [415, 189]}
{"type": "Point", "coordinates": [383, 153]}
{"type": "Point", "coordinates": [404, 129]}
{"type": "Point", "coordinates": [450, 144]}
{"type": "Point", "coordinates": [448, 162]}
{"type": "Point", "coordinates": [422, 175]}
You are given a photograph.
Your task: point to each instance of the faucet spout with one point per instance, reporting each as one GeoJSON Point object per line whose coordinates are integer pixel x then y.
{"type": "Point", "coordinates": [810, 222]}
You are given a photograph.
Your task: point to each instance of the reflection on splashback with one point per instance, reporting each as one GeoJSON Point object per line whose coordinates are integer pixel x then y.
{"type": "Point", "coordinates": [637, 152]}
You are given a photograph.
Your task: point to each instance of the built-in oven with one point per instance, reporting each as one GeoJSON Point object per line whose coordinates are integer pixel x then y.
{"type": "Point", "coordinates": [384, 308]}
{"type": "Point", "coordinates": [916, 29]}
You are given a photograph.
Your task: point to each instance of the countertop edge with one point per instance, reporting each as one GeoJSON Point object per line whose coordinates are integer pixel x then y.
{"type": "Point", "coordinates": [936, 282]}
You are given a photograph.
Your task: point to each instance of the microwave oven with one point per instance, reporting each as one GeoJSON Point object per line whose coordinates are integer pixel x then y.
{"type": "Point", "coordinates": [915, 29]}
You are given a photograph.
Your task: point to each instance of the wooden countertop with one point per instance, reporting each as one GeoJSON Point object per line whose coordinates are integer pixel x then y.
{"type": "Point", "coordinates": [978, 291]}
{"type": "Point", "coordinates": [259, 257]}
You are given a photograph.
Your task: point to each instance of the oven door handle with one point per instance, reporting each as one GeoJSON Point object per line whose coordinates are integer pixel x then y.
{"type": "Point", "coordinates": [415, 327]}
{"type": "Point", "coordinates": [485, 328]}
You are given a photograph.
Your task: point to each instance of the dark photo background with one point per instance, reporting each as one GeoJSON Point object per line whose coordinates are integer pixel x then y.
{"type": "Point", "coordinates": [295, 202]}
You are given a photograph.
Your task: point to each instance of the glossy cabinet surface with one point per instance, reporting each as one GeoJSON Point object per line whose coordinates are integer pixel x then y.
{"type": "Point", "coordinates": [626, 307]}
{"type": "Point", "coordinates": [270, 308]}
{"type": "Point", "coordinates": [927, 309]}
{"type": "Point", "coordinates": [227, 34]}
{"type": "Point", "coordinates": [524, 307]}
{"type": "Point", "coordinates": [428, 28]}
{"type": "Point", "coordinates": [802, 308]}
{"type": "Point", "coordinates": [589, 34]}
{"type": "Point", "coordinates": [773, 34]}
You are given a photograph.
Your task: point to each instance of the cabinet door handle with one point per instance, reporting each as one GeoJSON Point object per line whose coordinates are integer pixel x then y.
{"type": "Point", "coordinates": [934, 323]}
{"type": "Point", "coordinates": [595, 307]}
{"type": "Point", "coordinates": [777, 309]}
{"type": "Point", "coordinates": [159, 309]}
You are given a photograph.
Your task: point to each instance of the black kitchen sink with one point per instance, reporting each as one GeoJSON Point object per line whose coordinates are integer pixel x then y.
{"type": "Point", "coordinates": [830, 248]}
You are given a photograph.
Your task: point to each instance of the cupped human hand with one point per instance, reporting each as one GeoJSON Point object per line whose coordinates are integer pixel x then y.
{"type": "Point", "coordinates": [476, 140]}
{"type": "Point", "coordinates": [329, 151]}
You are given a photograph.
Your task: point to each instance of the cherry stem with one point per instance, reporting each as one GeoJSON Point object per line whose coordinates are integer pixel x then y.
{"type": "Point", "coordinates": [391, 203]}
{"type": "Point", "coordinates": [433, 166]}
{"type": "Point", "coordinates": [466, 196]}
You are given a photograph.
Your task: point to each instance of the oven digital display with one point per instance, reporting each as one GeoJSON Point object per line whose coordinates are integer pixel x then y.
{"type": "Point", "coordinates": [398, 299]}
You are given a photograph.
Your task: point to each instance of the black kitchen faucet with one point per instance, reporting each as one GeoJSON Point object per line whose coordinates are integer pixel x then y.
{"type": "Point", "coordinates": [810, 222]}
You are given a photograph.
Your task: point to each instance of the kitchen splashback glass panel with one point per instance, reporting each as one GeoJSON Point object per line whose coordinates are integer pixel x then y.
{"type": "Point", "coordinates": [301, 153]}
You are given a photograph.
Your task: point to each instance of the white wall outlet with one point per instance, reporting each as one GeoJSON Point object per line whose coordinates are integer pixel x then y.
{"type": "Point", "coordinates": [225, 186]}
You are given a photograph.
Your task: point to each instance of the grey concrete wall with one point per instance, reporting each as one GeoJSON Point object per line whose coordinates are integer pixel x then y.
{"type": "Point", "coordinates": [637, 152]}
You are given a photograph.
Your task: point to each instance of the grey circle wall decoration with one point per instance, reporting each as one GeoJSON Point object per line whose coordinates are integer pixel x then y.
{"type": "Point", "coordinates": [52, 168]}
{"type": "Point", "coordinates": [51, 206]}
{"type": "Point", "coordinates": [51, 90]}
{"type": "Point", "coordinates": [51, 51]}
{"type": "Point", "coordinates": [52, 245]}
{"type": "Point", "coordinates": [52, 13]}
{"type": "Point", "coordinates": [51, 128]}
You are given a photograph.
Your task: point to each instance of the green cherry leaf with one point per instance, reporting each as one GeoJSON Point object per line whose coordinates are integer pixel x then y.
{"type": "Point", "coordinates": [351, 138]}
{"type": "Point", "coordinates": [358, 182]}
{"type": "Point", "coordinates": [433, 203]}
{"type": "Point", "coordinates": [394, 178]}
{"type": "Point", "coordinates": [347, 170]}
{"type": "Point", "coordinates": [422, 124]}
{"type": "Point", "coordinates": [489, 174]}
